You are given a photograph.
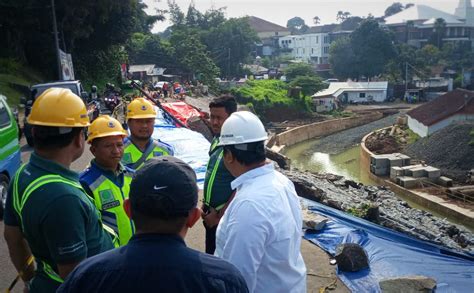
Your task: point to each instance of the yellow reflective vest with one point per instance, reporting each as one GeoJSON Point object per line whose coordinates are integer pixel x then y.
{"type": "Point", "coordinates": [109, 192]}
{"type": "Point", "coordinates": [134, 158]}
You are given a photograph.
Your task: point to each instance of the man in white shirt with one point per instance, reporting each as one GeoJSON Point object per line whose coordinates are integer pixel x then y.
{"type": "Point", "coordinates": [260, 232]}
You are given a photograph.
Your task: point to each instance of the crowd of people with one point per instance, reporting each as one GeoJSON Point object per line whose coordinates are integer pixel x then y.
{"type": "Point", "coordinates": [120, 224]}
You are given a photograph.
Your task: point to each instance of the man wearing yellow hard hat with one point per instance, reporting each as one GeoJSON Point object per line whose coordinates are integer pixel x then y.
{"type": "Point", "coordinates": [140, 146]}
{"type": "Point", "coordinates": [107, 181]}
{"type": "Point", "coordinates": [48, 214]}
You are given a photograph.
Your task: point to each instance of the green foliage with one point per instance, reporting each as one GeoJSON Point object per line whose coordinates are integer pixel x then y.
{"type": "Point", "coordinates": [296, 25]}
{"type": "Point", "coordinates": [412, 137]}
{"type": "Point", "coordinates": [267, 94]}
{"type": "Point", "coordinates": [429, 55]}
{"type": "Point", "coordinates": [472, 135]}
{"type": "Point", "coordinates": [298, 69]}
{"type": "Point", "coordinates": [393, 9]}
{"type": "Point", "coordinates": [85, 27]}
{"type": "Point", "coordinates": [340, 114]}
{"type": "Point", "coordinates": [15, 79]}
{"type": "Point", "coordinates": [439, 31]}
{"type": "Point", "coordinates": [193, 56]}
{"type": "Point", "coordinates": [372, 48]}
{"type": "Point", "coordinates": [343, 60]}
{"type": "Point", "coordinates": [309, 84]}
{"type": "Point", "coordinates": [360, 211]}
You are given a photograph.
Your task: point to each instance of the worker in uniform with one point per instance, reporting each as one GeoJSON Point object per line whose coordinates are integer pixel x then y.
{"type": "Point", "coordinates": [48, 214]}
{"type": "Point", "coordinates": [140, 146]}
{"type": "Point", "coordinates": [217, 190]}
{"type": "Point", "coordinates": [107, 181]}
{"type": "Point", "coordinates": [260, 232]}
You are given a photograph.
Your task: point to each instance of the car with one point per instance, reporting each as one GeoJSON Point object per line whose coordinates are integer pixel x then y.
{"type": "Point", "coordinates": [36, 90]}
{"type": "Point", "coordinates": [10, 157]}
{"type": "Point", "coordinates": [329, 80]}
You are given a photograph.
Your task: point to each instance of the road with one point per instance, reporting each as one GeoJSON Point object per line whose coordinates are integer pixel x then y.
{"type": "Point", "coordinates": [320, 272]}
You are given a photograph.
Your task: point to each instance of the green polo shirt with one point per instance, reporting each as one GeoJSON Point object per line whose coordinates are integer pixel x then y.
{"type": "Point", "coordinates": [217, 190]}
{"type": "Point", "coordinates": [60, 222]}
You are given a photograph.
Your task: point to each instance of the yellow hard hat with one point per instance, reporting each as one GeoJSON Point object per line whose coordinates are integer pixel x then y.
{"type": "Point", "coordinates": [140, 109]}
{"type": "Point", "coordinates": [105, 126]}
{"type": "Point", "coordinates": [59, 107]}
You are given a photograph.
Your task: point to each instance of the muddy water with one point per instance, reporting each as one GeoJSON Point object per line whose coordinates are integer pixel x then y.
{"type": "Point", "coordinates": [346, 163]}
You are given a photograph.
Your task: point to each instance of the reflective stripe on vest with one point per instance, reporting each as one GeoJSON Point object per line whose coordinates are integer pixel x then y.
{"type": "Point", "coordinates": [134, 158]}
{"type": "Point", "coordinates": [109, 198]}
{"type": "Point", "coordinates": [210, 184]}
{"type": "Point", "coordinates": [37, 183]}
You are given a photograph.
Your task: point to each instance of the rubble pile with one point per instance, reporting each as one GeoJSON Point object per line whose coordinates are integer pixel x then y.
{"type": "Point", "coordinates": [380, 205]}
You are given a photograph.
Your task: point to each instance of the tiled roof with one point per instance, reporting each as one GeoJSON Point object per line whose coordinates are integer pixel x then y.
{"type": "Point", "coordinates": [262, 26]}
{"type": "Point", "coordinates": [459, 101]}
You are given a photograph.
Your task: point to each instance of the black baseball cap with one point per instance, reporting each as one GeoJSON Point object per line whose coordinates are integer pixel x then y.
{"type": "Point", "coordinates": [165, 187]}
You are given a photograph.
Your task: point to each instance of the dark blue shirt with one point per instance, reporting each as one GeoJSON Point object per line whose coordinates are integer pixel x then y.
{"type": "Point", "coordinates": [154, 263]}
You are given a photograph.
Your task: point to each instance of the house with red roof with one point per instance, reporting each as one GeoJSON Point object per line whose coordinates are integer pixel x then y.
{"type": "Point", "coordinates": [451, 107]}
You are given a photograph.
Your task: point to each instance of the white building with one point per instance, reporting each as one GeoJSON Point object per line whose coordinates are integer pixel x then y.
{"type": "Point", "coordinates": [451, 107]}
{"type": "Point", "coordinates": [353, 92]}
{"type": "Point", "coordinates": [308, 47]}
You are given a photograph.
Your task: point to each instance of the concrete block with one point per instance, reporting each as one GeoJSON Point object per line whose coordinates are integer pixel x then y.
{"type": "Point", "coordinates": [432, 172]}
{"type": "Point", "coordinates": [381, 163]}
{"type": "Point", "coordinates": [380, 171]}
{"type": "Point", "coordinates": [395, 172]}
{"type": "Point", "coordinates": [445, 181]}
{"type": "Point", "coordinates": [407, 182]}
{"type": "Point", "coordinates": [395, 162]}
{"type": "Point", "coordinates": [418, 172]}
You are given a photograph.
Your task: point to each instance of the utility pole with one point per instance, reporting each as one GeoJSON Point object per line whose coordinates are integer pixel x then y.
{"type": "Point", "coordinates": [406, 77]}
{"type": "Point", "coordinates": [228, 64]}
{"type": "Point", "coordinates": [56, 41]}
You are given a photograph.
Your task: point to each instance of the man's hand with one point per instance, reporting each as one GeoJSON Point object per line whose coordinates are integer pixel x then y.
{"type": "Point", "coordinates": [212, 217]}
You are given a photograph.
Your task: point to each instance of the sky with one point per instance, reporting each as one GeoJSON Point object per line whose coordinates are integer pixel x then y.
{"type": "Point", "coordinates": [280, 11]}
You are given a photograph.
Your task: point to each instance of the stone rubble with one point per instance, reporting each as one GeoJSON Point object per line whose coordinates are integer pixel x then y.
{"type": "Point", "coordinates": [380, 205]}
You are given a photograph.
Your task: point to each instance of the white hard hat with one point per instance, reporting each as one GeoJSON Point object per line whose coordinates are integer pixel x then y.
{"type": "Point", "coordinates": [242, 127]}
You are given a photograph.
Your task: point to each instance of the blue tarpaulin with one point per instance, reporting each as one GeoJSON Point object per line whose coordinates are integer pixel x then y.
{"type": "Point", "coordinates": [391, 254]}
{"type": "Point", "coordinates": [190, 146]}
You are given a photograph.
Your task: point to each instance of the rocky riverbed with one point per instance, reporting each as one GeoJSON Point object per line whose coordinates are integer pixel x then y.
{"type": "Point", "coordinates": [380, 205]}
{"type": "Point", "coordinates": [340, 141]}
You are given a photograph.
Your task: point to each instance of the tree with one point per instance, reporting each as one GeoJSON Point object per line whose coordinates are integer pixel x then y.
{"type": "Point", "coordinates": [296, 24]}
{"type": "Point", "coordinates": [429, 55]}
{"type": "Point", "coordinates": [393, 9]}
{"type": "Point", "coordinates": [372, 48]}
{"type": "Point", "coordinates": [439, 32]}
{"type": "Point", "coordinates": [309, 84]}
{"type": "Point", "coordinates": [408, 5]}
{"type": "Point", "coordinates": [341, 15]}
{"type": "Point", "coordinates": [351, 23]}
{"type": "Point", "coordinates": [298, 69]}
{"type": "Point", "coordinates": [192, 55]}
{"type": "Point", "coordinates": [343, 60]}
{"type": "Point", "coordinates": [230, 44]}
{"type": "Point", "coordinates": [316, 20]}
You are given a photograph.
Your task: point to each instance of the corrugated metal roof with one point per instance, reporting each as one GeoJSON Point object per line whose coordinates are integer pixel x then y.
{"type": "Point", "coordinates": [420, 12]}
{"type": "Point", "coordinates": [459, 101]}
{"type": "Point", "coordinates": [336, 88]}
{"type": "Point", "coordinates": [148, 68]}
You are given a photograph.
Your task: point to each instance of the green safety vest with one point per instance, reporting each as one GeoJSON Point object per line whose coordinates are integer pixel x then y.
{"type": "Point", "coordinates": [108, 198]}
{"type": "Point", "coordinates": [19, 203]}
{"type": "Point", "coordinates": [134, 158]}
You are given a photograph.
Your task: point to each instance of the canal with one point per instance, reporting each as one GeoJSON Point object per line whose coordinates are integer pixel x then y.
{"type": "Point", "coordinates": [346, 163]}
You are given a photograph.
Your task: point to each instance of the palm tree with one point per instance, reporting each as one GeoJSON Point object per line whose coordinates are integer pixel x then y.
{"type": "Point", "coordinates": [440, 30]}
{"type": "Point", "coordinates": [316, 20]}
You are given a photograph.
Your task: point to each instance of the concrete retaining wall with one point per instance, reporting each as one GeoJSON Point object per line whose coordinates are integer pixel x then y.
{"type": "Point", "coordinates": [431, 202]}
{"type": "Point", "coordinates": [318, 129]}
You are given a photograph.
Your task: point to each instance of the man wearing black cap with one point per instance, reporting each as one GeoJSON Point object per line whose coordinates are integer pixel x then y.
{"type": "Point", "coordinates": [162, 203]}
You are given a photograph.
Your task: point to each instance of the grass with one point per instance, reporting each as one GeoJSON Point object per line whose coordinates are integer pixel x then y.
{"type": "Point", "coordinates": [262, 95]}
{"type": "Point", "coordinates": [13, 77]}
{"type": "Point", "coordinates": [412, 137]}
{"type": "Point", "coordinates": [340, 114]}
